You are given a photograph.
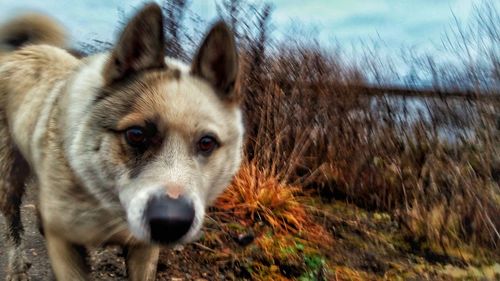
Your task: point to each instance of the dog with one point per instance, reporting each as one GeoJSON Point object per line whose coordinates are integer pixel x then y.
{"type": "Point", "coordinates": [126, 147]}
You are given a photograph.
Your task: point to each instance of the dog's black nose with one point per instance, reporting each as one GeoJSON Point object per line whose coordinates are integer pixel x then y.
{"type": "Point", "coordinates": [169, 219]}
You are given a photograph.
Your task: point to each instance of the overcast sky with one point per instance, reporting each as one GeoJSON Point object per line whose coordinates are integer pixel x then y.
{"type": "Point", "coordinates": [415, 23]}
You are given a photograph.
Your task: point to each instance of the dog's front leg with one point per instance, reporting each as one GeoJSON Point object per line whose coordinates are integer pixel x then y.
{"type": "Point", "coordinates": [142, 262]}
{"type": "Point", "coordinates": [68, 260]}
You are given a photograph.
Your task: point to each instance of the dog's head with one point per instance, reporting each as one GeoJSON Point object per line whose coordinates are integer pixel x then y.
{"type": "Point", "coordinates": [164, 139]}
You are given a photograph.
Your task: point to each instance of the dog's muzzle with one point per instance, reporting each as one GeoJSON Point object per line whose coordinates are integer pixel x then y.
{"type": "Point", "coordinates": [169, 219]}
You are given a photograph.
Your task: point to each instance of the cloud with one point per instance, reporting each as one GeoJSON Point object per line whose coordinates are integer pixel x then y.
{"type": "Point", "coordinates": [396, 22]}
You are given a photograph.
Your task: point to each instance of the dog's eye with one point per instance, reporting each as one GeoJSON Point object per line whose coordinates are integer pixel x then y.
{"type": "Point", "coordinates": [142, 137]}
{"type": "Point", "coordinates": [136, 137]}
{"type": "Point", "coordinates": [207, 144]}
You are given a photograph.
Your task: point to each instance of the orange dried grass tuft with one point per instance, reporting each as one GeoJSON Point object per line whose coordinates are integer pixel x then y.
{"type": "Point", "coordinates": [255, 195]}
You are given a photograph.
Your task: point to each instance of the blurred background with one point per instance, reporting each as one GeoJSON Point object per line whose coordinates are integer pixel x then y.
{"type": "Point", "coordinates": [392, 24]}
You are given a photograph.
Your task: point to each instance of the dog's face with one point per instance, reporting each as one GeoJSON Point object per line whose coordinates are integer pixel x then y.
{"type": "Point", "coordinates": [162, 140]}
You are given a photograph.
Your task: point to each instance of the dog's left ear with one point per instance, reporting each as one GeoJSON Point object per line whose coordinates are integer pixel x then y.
{"type": "Point", "coordinates": [217, 60]}
{"type": "Point", "coordinates": [140, 46]}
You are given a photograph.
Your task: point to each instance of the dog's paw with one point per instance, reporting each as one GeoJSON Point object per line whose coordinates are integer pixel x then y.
{"type": "Point", "coordinates": [21, 276]}
{"type": "Point", "coordinates": [18, 269]}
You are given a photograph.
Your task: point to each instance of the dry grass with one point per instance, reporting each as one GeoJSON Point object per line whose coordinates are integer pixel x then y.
{"type": "Point", "coordinates": [435, 167]}
{"type": "Point", "coordinates": [255, 196]}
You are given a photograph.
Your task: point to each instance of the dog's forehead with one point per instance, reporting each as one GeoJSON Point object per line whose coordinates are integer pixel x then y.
{"type": "Point", "coordinates": [179, 100]}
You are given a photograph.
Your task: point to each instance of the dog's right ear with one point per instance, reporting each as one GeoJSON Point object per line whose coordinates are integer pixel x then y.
{"type": "Point", "coordinates": [140, 46]}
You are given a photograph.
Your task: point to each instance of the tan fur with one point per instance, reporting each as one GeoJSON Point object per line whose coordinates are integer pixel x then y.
{"type": "Point", "coordinates": [65, 118]}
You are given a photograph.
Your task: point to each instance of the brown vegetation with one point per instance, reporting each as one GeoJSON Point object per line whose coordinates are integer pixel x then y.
{"type": "Point", "coordinates": [311, 126]}
{"type": "Point", "coordinates": [319, 130]}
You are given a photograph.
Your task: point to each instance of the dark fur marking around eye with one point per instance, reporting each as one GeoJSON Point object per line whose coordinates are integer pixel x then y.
{"type": "Point", "coordinates": [138, 162]}
{"type": "Point", "coordinates": [140, 158]}
{"type": "Point", "coordinates": [118, 100]}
